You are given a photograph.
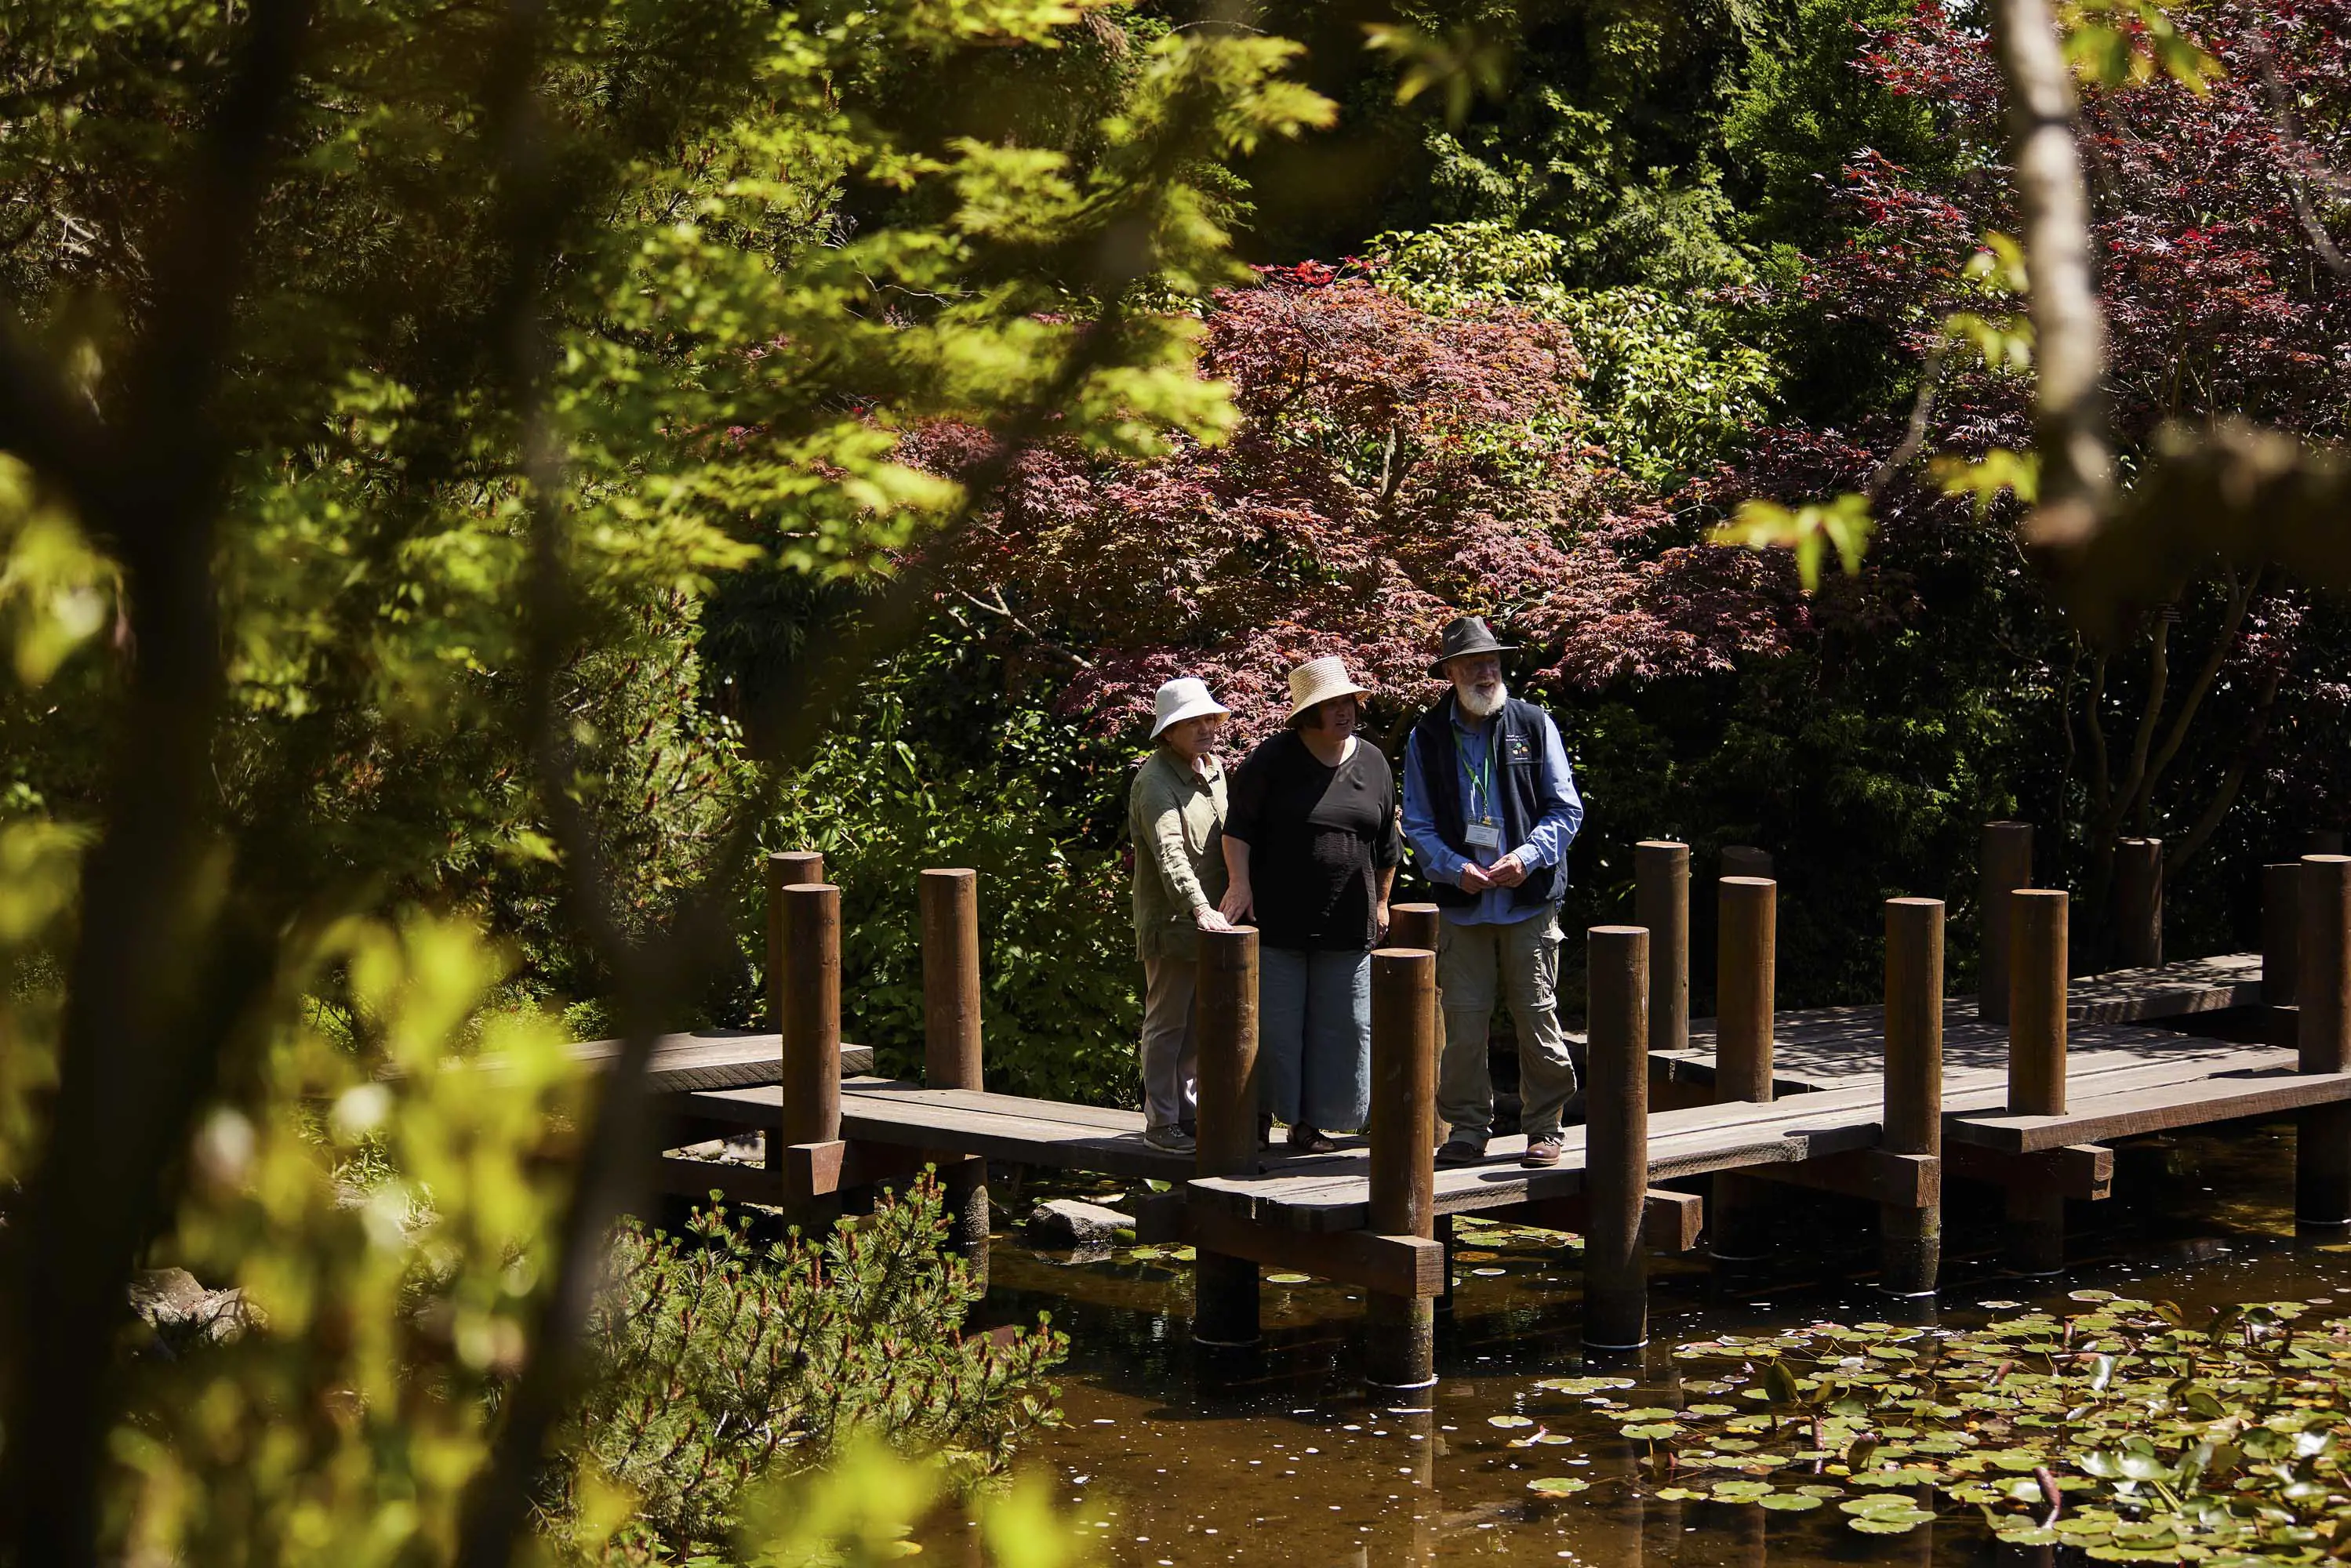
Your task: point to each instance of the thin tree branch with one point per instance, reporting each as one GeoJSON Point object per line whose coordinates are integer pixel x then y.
{"type": "Point", "coordinates": [2240, 595]}
{"type": "Point", "coordinates": [2073, 425]}
{"type": "Point", "coordinates": [1913, 436]}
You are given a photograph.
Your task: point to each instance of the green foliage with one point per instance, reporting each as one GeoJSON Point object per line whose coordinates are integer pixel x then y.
{"type": "Point", "coordinates": [939, 763]}
{"type": "Point", "coordinates": [2128, 1429]}
{"type": "Point", "coordinates": [719, 1366]}
{"type": "Point", "coordinates": [1675, 381]}
{"type": "Point", "coordinates": [1844, 523]}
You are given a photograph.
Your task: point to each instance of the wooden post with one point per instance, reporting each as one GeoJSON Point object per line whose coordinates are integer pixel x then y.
{"type": "Point", "coordinates": [951, 1040]}
{"type": "Point", "coordinates": [2139, 904]}
{"type": "Point", "coordinates": [1616, 1174]}
{"type": "Point", "coordinates": [1412, 926]}
{"type": "Point", "coordinates": [1746, 987]}
{"type": "Point", "coordinates": [1910, 1240]}
{"type": "Point", "coordinates": [807, 1144]}
{"type": "Point", "coordinates": [1400, 1362]}
{"type": "Point", "coordinates": [2037, 1062]}
{"type": "Point", "coordinates": [2281, 938]}
{"type": "Point", "coordinates": [1224, 1289]}
{"type": "Point", "coordinates": [1745, 860]}
{"type": "Point", "coordinates": [2322, 1164]}
{"type": "Point", "coordinates": [788, 868]}
{"type": "Point", "coordinates": [2005, 866]}
{"type": "Point", "coordinates": [1661, 876]}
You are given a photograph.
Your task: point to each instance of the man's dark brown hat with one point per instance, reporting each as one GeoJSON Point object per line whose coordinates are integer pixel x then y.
{"type": "Point", "coordinates": [1468, 634]}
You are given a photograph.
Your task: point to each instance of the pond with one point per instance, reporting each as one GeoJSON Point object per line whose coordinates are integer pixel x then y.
{"type": "Point", "coordinates": [1173, 1455]}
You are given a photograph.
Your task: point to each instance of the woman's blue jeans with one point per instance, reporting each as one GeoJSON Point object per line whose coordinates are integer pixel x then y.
{"type": "Point", "coordinates": [1314, 1037]}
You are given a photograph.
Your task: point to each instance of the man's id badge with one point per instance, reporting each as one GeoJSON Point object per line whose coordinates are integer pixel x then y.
{"type": "Point", "coordinates": [1483, 836]}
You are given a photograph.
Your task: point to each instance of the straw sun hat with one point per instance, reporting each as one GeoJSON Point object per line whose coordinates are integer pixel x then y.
{"type": "Point", "coordinates": [1318, 681]}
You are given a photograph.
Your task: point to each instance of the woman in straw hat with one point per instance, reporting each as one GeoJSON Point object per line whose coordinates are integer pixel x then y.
{"type": "Point", "coordinates": [1175, 816]}
{"type": "Point", "coordinates": [1311, 846]}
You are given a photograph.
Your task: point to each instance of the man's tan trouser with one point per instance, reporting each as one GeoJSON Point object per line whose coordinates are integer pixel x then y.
{"type": "Point", "coordinates": [1520, 960]}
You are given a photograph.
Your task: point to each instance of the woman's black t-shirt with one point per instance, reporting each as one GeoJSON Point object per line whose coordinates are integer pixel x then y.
{"type": "Point", "coordinates": [1318, 837]}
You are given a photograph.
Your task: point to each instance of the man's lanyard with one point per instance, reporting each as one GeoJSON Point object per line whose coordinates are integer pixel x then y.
{"type": "Point", "coordinates": [1482, 783]}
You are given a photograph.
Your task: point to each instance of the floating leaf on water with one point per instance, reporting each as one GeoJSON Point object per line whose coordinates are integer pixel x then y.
{"type": "Point", "coordinates": [1185, 1254]}
{"type": "Point", "coordinates": [2090, 1295]}
{"type": "Point", "coordinates": [1489, 1274]}
{"type": "Point", "coordinates": [1508, 1421]}
{"type": "Point", "coordinates": [1790, 1503]}
{"type": "Point", "coordinates": [1706, 1387]}
{"type": "Point", "coordinates": [1583, 1385]}
{"type": "Point", "coordinates": [1891, 1523]}
{"type": "Point", "coordinates": [1679, 1494]}
{"type": "Point", "coordinates": [1651, 1413]}
{"type": "Point", "coordinates": [1711, 1410]}
{"type": "Point", "coordinates": [1290, 1279]}
{"type": "Point", "coordinates": [1741, 1491]}
{"type": "Point", "coordinates": [1559, 1486]}
{"type": "Point", "coordinates": [1653, 1431]}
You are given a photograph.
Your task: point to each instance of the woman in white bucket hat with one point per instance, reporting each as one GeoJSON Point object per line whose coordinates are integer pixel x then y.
{"type": "Point", "coordinates": [1175, 816]}
{"type": "Point", "coordinates": [1311, 848]}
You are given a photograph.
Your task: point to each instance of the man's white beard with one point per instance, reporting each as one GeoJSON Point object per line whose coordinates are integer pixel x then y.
{"type": "Point", "coordinates": [1477, 703]}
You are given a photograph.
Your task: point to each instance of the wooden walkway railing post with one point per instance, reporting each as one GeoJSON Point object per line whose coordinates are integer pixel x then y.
{"type": "Point", "coordinates": [952, 1048]}
{"type": "Point", "coordinates": [1616, 1140]}
{"type": "Point", "coordinates": [1661, 876]}
{"type": "Point", "coordinates": [2006, 864]}
{"type": "Point", "coordinates": [1911, 1239]}
{"type": "Point", "coordinates": [2139, 904]}
{"type": "Point", "coordinates": [2036, 1061]}
{"type": "Point", "coordinates": [2281, 940]}
{"type": "Point", "coordinates": [806, 923]}
{"type": "Point", "coordinates": [1745, 987]}
{"type": "Point", "coordinates": [1224, 1289]}
{"type": "Point", "coordinates": [1415, 926]}
{"type": "Point", "coordinates": [2322, 1181]}
{"type": "Point", "coordinates": [1400, 1360]}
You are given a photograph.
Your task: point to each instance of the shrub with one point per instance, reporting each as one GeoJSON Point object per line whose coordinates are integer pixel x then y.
{"type": "Point", "coordinates": [719, 1363]}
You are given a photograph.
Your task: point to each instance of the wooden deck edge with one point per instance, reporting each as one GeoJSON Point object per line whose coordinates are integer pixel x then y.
{"type": "Point", "coordinates": [2196, 1102]}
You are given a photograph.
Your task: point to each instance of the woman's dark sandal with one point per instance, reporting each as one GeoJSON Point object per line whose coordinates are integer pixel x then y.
{"type": "Point", "coordinates": [1309, 1141]}
{"type": "Point", "coordinates": [1542, 1151]}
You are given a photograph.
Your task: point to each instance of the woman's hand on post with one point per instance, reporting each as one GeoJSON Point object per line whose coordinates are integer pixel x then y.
{"type": "Point", "coordinates": [1209, 917]}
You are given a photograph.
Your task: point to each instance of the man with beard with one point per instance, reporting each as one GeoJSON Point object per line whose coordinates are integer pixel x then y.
{"type": "Point", "coordinates": [1490, 808]}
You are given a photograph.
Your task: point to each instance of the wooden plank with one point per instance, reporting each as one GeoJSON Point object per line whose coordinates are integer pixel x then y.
{"type": "Point", "coordinates": [2085, 1171]}
{"type": "Point", "coordinates": [1099, 1118]}
{"type": "Point", "coordinates": [1670, 1221]}
{"type": "Point", "coordinates": [1391, 1265]}
{"type": "Point", "coordinates": [1880, 1176]}
{"type": "Point", "coordinates": [2156, 1109]}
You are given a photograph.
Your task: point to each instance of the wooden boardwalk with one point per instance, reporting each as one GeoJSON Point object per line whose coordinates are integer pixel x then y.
{"type": "Point", "coordinates": [1689, 1125]}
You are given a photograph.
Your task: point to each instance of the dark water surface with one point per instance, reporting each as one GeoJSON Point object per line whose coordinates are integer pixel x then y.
{"type": "Point", "coordinates": [1173, 1455]}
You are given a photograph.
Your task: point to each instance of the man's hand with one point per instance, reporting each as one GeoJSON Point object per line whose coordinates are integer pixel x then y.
{"type": "Point", "coordinates": [1236, 905]}
{"type": "Point", "coordinates": [1474, 878]}
{"type": "Point", "coordinates": [1508, 871]}
{"type": "Point", "coordinates": [1209, 918]}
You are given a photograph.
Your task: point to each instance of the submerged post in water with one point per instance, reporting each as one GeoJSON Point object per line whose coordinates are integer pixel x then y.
{"type": "Point", "coordinates": [1225, 1310]}
{"type": "Point", "coordinates": [1616, 1138]}
{"type": "Point", "coordinates": [1401, 1354]}
{"type": "Point", "coordinates": [952, 1056]}
{"type": "Point", "coordinates": [1911, 1239]}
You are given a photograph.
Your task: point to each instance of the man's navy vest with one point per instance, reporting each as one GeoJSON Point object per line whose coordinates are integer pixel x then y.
{"type": "Point", "coordinates": [1516, 738]}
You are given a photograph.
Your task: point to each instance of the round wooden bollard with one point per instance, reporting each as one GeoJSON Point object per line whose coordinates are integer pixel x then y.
{"type": "Point", "coordinates": [1400, 1362]}
{"type": "Point", "coordinates": [2005, 866]}
{"type": "Point", "coordinates": [809, 1011]}
{"type": "Point", "coordinates": [2036, 1003]}
{"type": "Point", "coordinates": [952, 1041]}
{"type": "Point", "coordinates": [786, 868]}
{"type": "Point", "coordinates": [951, 1005]}
{"type": "Point", "coordinates": [1616, 1141]}
{"type": "Point", "coordinates": [1746, 989]}
{"type": "Point", "coordinates": [1661, 874]}
{"type": "Point", "coordinates": [1911, 1239]}
{"type": "Point", "coordinates": [2281, 941]}
{"type": "Point", "coordinates": [1225, 1289]}
{"type": "Point", "coordinates": [2139, 904]}
{"type": "Point", "coordinates": [2323, 1040]}
{"type": "Point", "coordinates": [1412, 926]}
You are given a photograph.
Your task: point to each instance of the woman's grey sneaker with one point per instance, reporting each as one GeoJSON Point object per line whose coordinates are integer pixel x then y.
{"type": "Point", "coordinates": [1172, 1139]}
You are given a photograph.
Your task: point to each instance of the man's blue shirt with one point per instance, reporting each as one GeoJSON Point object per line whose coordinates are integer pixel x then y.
{"type": "Point", "coordinates": [1547, 841]}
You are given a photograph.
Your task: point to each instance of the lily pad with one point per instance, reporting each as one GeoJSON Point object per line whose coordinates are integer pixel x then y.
{"type": "Point", "coordinates": [1507, 1422]}
{"type": "Point", "coordinates": [1559, 1486]}
{"type": "Point", "coordinates": [1790, 1503]}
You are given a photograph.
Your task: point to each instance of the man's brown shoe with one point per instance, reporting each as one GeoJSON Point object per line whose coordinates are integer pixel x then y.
{"type": "Point", "coordinates": [1540, 1152]}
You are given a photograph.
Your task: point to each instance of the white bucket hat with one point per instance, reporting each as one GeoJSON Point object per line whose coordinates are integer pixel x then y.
{"type": "Point", "coordinates": [1182, 698]}
{"type": "Point", "coordinates": [1318, 681]}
